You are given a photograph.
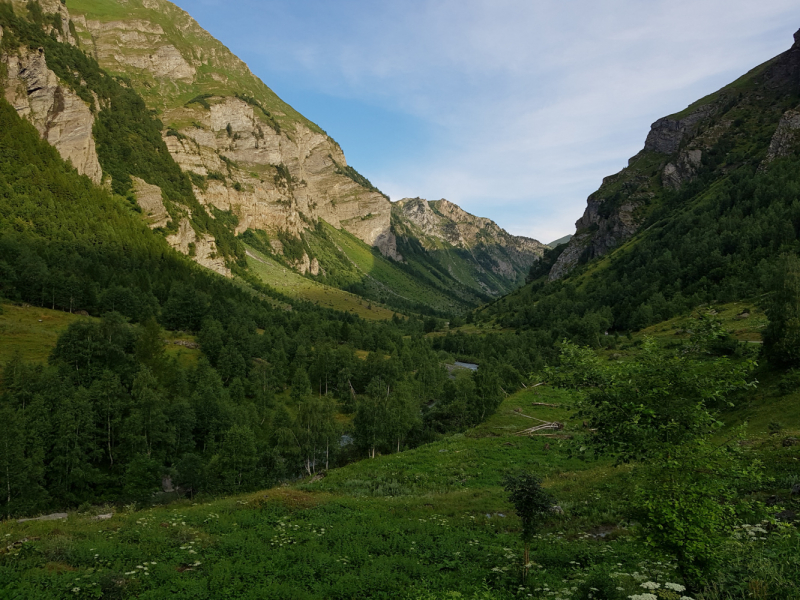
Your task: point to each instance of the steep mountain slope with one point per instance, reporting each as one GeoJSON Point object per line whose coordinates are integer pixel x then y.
{"type": "Point", "coordinates": [751, 121]}
{"type": "Point", "coordinates": [474, 251]}
{"type": "Point", "coordinates": [702, 214]}
{"type": "Point", "coordinates": [256, 168]}
{"type": "Point", "coordinates": [248, 151]}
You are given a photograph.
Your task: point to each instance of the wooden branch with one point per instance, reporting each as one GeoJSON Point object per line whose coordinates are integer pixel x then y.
{"type": "Point", "coordinates": [545, 404]}
{"type": "Point", "coordinates": [547, 426]}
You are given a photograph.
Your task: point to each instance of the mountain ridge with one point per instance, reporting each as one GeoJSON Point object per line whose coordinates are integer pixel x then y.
{"type": "Point", "coordinates": [675, 152]}
{"type": "Point", "coordinates": [255, 164]}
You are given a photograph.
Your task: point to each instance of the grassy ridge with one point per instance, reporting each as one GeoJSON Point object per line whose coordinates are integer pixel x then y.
{"type": "Point", "coordinates": [31, 331]}
{"type": "Point", "coordinates": [288, 282]}
{"type": "Point", "coordinates": [224, 76]}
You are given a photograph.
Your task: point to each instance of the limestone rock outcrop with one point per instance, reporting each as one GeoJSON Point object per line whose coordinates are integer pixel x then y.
{"type": "Point", "coordinates": [439, 224]}
{"type": "Point", "coordinates": [307, 265]}
{"type": "Point", "coordinates": [137, 44]}
{"type": "Point", "coordinates": [201, 248]}
{"type": "Point", "coordinates": [683, 170]}
{"type": "Point", "coordinates": [275, 181]}
{"type": "Point", "coordinates": [151, 202]}
{"type": "Point", "coordinates": [262, 160]}
{"type": "Point", "coordinates": [785, 138]}
{"type": "Point", "coordinates": [58, 114]}
{"type": "Point", "coordinates": [666, 134]}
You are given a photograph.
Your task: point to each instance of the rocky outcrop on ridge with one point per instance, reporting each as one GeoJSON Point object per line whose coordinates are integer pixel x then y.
{"type": "Point", "coordinates": [786, 137]}
{"type": "Point", "coordinates": [151, 201]}
{"type": "Point", "coordinates": [58, 114]}
{"type": "Point", "coordinates": [263, 161]}
{"type": "Point", "coordinates": [202, 248]}
{"type": "Point", "coordinates": [674, 153]}
{"type": "Point", "coordinates": [274, 181]}
{"type": "Point", "coordinates": [440, 224]}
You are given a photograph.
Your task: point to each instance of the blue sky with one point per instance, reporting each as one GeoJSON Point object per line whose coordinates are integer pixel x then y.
{"type": "Point", "coordinates": [513, 109]}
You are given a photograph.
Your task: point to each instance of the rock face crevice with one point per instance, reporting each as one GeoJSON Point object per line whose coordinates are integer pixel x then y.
{"type": "Point", "coordinates": [58, 114]}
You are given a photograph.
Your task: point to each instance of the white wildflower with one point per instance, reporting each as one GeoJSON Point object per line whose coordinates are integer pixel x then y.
{"type": "Point", "coordinates": [675, 587]}
{"type": "Point", "coordinates": [651, 585]}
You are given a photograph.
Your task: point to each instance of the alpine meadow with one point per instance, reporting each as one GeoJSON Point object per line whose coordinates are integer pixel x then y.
{"type": "Point", "coordinates": [232, 367]}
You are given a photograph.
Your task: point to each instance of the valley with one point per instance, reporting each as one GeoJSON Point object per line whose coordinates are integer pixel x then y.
{"type": "Point", "coordinates": [232, 367]}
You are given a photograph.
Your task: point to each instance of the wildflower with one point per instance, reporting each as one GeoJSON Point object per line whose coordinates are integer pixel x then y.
{"type": "Point", "coordinates": [651, 585]}
{"type": "Point", "coordinates": [675, 587]}
{"type": "Point", "coordinates": [643, 597]}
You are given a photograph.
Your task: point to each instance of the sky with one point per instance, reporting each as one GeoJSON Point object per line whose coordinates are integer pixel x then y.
{"type": "Point", "coordinates": [513, 109]}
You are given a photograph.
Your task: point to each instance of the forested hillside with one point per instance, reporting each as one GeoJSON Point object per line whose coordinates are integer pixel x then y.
{"type": "Point", "coordinates": [715, 234]}
{"type": "Point", "coordinates": [110, 414]}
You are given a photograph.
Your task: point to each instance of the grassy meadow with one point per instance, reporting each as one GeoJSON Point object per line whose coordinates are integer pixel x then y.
{"type": "Point", "coordinates": [292, 284]}
{"type": "Point", "coordinates": [31, 331]}
{"type": "Point", "coordinates": [428, 523]}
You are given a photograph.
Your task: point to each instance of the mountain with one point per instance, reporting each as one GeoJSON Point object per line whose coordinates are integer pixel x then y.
{"type": "Point", "coordinates": [703, 214]}
{"type": "Point", "coordinates": [560, 241]}
{"type": "Point", "coordinates": [256, 167]}
{"type": "Point", "coordinates": [474, 251]}
{"type": "Point", "coordinates": [751, 121]}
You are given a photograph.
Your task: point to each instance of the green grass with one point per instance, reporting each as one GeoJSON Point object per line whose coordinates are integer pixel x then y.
{"type": "Point", "coordinates": [292, 284]}
{"type": "Point", "coordinates": [384, 276]}
{"type": "Point", "coordinates": [31, 331]}
{"type": "Point", "coordinates": [425, 523]}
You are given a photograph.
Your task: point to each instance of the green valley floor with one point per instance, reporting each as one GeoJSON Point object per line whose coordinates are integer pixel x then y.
{"type": "Point", "coordinates": [432, 522]}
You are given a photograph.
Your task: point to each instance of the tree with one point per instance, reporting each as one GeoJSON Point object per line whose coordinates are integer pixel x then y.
{"type": "Point", "coordinates": [301, 385]}
{"type": "Point", "coordinates": [237, 458]}
{"type": "Point", "coordinates": [315, 428]}
{"type": "Point", "coordinates": [74, 449]}
{"type": "Point", "coordinates": [782, 334]}
{"type": "Point", "coordinates": [371, 416]}
{"type": "Point", "coordinates": [109, 399]}
{"type": "Point", "coordinates": [684, 503]}
{"type": "Point", "coordinates": [142, 478]}
{"type": "Point", "coordinates": [660, 411]}
{"type": "Point", "coordinates": [635, 410]}
{"type": "Point", "coordinates": [190, 473]}
{"type": "Point", "coordinates": [13, 464]}
{"type": "Point", "coordinates": [532, 505]}
{"type": "Point", "coordinates": [147, 427]}
{"type": "Point", "coordinates": [402, 413]}
{"type": "Point", "coordinates": [150, 347]}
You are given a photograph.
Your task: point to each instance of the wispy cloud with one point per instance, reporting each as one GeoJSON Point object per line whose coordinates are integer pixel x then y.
{"type": "Point", "coordinates": [529, 104]}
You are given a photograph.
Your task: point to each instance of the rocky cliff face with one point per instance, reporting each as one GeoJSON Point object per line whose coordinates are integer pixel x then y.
{"type": "Point", "coordinates": [58, 114]}
{"type": "Point", "coordinates": [676, 150]}
{"type": "Point", "coordinates": [786, 137]}
{"type": "Point", "coordinates": [202, 248]}
{"type": "Point", "coordinates": [440, 224]}
{"type": "Point", "coordinates": [252, 153]}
